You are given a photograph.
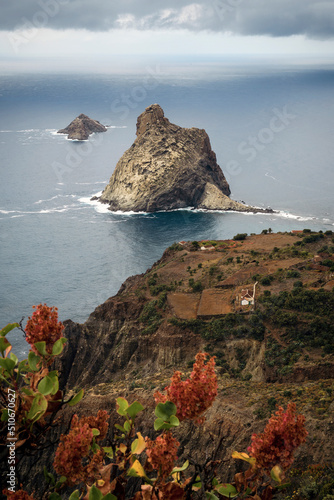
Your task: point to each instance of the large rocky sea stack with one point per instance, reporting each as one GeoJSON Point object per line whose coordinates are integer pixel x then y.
{"type": "Point", "coordinates": [82, 127]}
{"type": "Point", "coordinates": [168, 167]}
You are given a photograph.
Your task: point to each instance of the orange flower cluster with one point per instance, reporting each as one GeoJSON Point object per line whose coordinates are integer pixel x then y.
{"type": "Point", "coordinates": [99, 422]}
{"type": "Point", "coordinates": [43, 325]}
{"type": "Point", "coordinates": [284, 432]}
{"type": "Point", "coordinates": [194, 395]}
{"type": "Point", "coordinates": [72, 448]}
{"type": "Point", "coordinates": [94, 467]}
{"type": "Point", "coordinates": [76, 446]}
{"type": "Point", "coordinates": [18, 495]}
{"type": "Point", "coordinates": [162, 453]}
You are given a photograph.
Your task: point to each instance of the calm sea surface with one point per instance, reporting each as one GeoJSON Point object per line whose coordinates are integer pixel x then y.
{"type": "Point", "coordinates": [271, 129]}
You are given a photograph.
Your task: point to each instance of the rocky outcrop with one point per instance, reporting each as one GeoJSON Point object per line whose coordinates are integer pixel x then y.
{"type": "Point", "coordinates": [168, 167]}
{"type": "Point", "coordinates": [213, 199]}
{"type": "Point", "coordinates": [82, 127]}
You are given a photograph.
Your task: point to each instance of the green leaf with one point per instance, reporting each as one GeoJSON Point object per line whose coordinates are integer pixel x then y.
{"type": "Point", "coordinates": [75, 400]}
{"type": "Point", "coordinates": [96, 432]}
{"type": "Point", "coordinates": [41, 347]}
{"type": "Point", "coordinates": [165, 410]}
{"type": "Point", "coordinates": [227, 490]}
{"type": "Point", "coordinates": [4, 343]}
{"type": "Point", "coordinates": [282, 486]}
{"type": "Point", "coordinates": [54, 496]}
{"type": "Point", "coordinates": [181, 469]}
{"type": "Point", "coordinates": [7, 364]}
{"type": "Point", "coordinates": [38, 407]}
{"type": "Point", "coordinates": [123, 405]}
{"type": "Point", "coordinates": [8, 329]}
{"type": "Point", "coordinates": [28, 392]}
{"type": "Point", "coordinates": [166, 416]}
{"type": "Point", "coordinates": [45, 386]}
{"type": "Point", "coordinates": [61, 481]}
{"type": "Point", "coordinates": [127, 426]}
{"type": "Point", "coordinates": [33, 361]}
{"type": "Point", "coordinates": [120, 428]}
{"type": "Point", "coordinates": [95, 447]}
{"type": "Point", "coordinates": [95, 493]}
{"type": "Point", "coordinates": [54, 377]}
{"type": "Point", "coordinates": [47, 475]}
{"type": "Point", "coordinates": [4, 415]}
{"type": "Point", "coordinates": [108, 451]}
{"type": "Point", "coordinates": [174, 421]}
{"type": "Point", "coordinates": [109, 496]}
{"type": "Point", "coordinates": [23, 366]}
{"type": "Point", "coordinates": [75, 495]}
{"type": "Point", "coordinates": [58, 346]}
{"type": "Point", "coordinates": [134, 409]}
{"type": "Point", "coordinates": [159, 424]}
{"type": "Point", "coordinates": [210, 496]}
{"type": "Point", "coordinates": [13, 358]}
{"type": "Point", "coordinates": [55, 387]}
{"type": "Point", "coordinates": [198, 483]}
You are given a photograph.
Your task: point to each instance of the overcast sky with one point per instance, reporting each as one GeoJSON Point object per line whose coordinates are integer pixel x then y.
{"type": "Point", "coordinates": [98, 28]}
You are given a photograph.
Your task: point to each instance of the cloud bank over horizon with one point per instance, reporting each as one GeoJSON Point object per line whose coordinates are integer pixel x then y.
{"type": "Point", "coordinates": [313, 19]}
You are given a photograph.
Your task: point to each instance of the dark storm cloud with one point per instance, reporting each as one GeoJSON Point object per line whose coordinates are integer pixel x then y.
{"type": "Point", "coordinates": [314, 18]}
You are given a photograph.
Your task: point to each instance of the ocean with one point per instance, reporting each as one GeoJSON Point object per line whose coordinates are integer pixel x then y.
{"type": "Point", "coordinates": [270, 125]}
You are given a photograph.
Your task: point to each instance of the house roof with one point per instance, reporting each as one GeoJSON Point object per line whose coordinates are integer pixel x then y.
{"type": "Point", "coordinates": [245, 294]}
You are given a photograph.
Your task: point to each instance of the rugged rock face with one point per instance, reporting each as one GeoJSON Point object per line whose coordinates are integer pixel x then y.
{"type": "Point", "coordinates": [82, 127]}
{"type": "Point", "coordinates": [168, 167]}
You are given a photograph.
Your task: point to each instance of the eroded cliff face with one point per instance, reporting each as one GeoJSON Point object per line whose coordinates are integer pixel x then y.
{"type": "Point", "coordinates": [189, 301]}
{"type": "Point", "coordinates": [168, 167]}
{"type": "Point", "coordinates": [113, 343]}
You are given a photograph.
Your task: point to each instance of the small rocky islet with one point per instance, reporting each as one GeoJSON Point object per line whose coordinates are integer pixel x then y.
{"type": "Point", "coordinates": [82, 127]}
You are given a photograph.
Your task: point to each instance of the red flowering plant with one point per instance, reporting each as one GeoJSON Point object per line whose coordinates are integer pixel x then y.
{"type": "Point", "coordinates": [283, 434]}
{"type": "Point", "coordinates": [18, 495]}
{"type": "Point", "coordinates": [29, 391]}
{"type": "Point", "coordinates": [36, 387]}
{"type": "Point", "coordinates": [100, 472]}
{"type": "Point", "coordinates": [44, 329]}
{"type": "Point", "coordinates": [44, 333]}
{"type": "Point", "coordinates": [270, 455]}
{"type": "Point", "coordinates": [77, 457]}
{"type": "Point", "coordinates": [195, 395]}
{"type": "Point", "coordinates": [162, 453]}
